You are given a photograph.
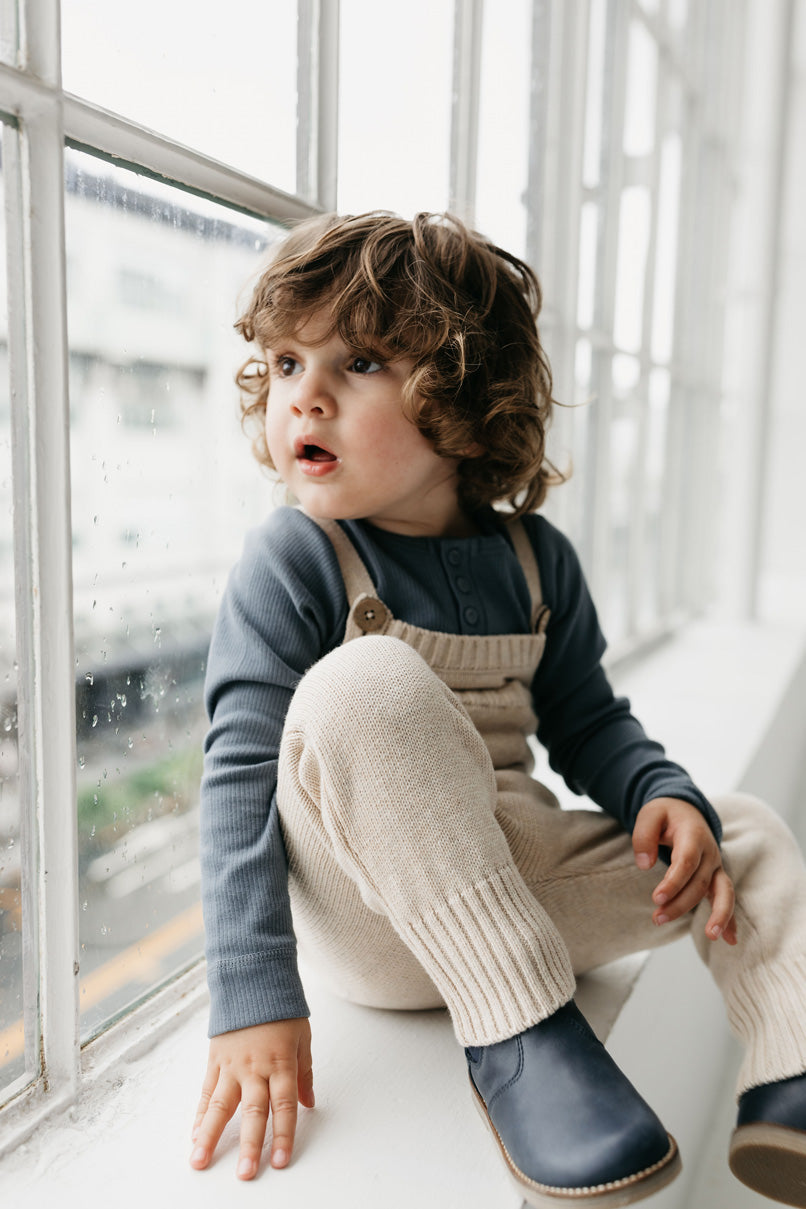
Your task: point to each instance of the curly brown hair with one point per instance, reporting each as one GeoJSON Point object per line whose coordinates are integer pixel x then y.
{"type": "Point", "coordinates": [434, 291]}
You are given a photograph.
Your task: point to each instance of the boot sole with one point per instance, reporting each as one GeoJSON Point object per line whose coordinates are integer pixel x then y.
{"type": "Point", "coordinates": [600, 1196]}
{"type": "Point", "coordinates": [770, 1159]}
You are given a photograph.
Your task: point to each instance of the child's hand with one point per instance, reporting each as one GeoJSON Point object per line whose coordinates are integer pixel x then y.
{"type": "Point", "coordinates": [267, 1066]}
{"type": "Point", "coordinates": [696, 870]}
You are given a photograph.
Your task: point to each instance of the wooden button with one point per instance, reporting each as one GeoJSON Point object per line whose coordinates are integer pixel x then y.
{"type": "Point", "coordinates": [370, 615]}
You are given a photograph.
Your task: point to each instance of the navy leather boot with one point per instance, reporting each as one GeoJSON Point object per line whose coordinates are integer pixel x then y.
{"type": "Point", "coordinates": [768, 1147]}
{"type": "Point", "coordinates": [568, 1123]}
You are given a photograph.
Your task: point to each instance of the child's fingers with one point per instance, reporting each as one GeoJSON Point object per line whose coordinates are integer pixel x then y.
{"type": "Point", "coordinates": [687, 872]}
{"type": "Point", "coordinates": [221, 1104]}
{"type": "Point", "coordinates": [646, 836]}
{"type": "Point", "coordinates": [305, 1081]}
{"type": "Point", "coordinates": [722, 897]}
{"type": "Point", "coordinates": [283, 1093]}
{"type": "Point", "coordinates": [254, 1118]}
{"type": "Point", "coordinates": [202, 1108]}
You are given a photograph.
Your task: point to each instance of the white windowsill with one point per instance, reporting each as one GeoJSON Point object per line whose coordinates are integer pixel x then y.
{"type": "Point", "coordinates": [394, 1124]}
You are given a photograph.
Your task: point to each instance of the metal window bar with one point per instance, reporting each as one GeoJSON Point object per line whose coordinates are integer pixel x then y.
{"type": "Point", "coordinates": [554, 200]}
{"type": "Point", "coordinates": [21, 437]}
{"type": "Point", "coordinates": [38, 356]}
{"type": "Point", "coordinates": [644, 171]}
{"type": "Point", "coordinates": [468, 19]}
{"type": "Point", "coordinates": [611, 174]}
{"type": "Point", "coordinates": [318, 101]}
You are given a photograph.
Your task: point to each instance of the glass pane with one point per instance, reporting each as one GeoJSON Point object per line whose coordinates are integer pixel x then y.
{"type": "Point", "coordinates": [395, 105]}
{"type": "Point", "coordinates": [12, 1031]}
{"type": "Point", "coordinates": [654, 465]}
{"type": "Point", "coordinates": [642, 80]}
{"type": "Point", "coordinates": [678, 13]}
{"type": "Point", "coordinates": [503, 152]}
{"type": "Point", "coordinates": [161, 496]}
{"type": "Point", "coordinates": [225, 87]}
{"type": "Point", "coordinates": [633, 245]}
{"type": "Point", "coordinates": [594, 99]}
{"type": "Point", "coordinates": [623, 445]}
{"type": "Point", "coordinates": [666, 248]}
{"type": "Point", "coordinates": [588, 244]}
{"type": "Point", "coordinates": [9, 31]}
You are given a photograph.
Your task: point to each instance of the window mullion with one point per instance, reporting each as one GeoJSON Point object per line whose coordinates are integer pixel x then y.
{"type": "Point", "coordinates": [26, 735]}
{"type": "Point", "coordinates": [45, 594]}
{"type": "Point", "coordinates": [93, 129]}
{"type": "Point", "coordinates": [318, 101]}
{"type": "Point", "coordinates": [41, 39]}
{"type": "Point", "coordinates": [468, 20]}
{"type": "Point", "coordinates": [554, 201]}
{"type": "Point", "coordinates": [610, 186]}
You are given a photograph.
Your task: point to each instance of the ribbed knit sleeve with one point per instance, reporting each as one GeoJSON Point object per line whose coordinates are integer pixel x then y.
{"type": "Point", "coordinates": [283, 609]}
{"type": "Point", "coordinates": [591, 737]}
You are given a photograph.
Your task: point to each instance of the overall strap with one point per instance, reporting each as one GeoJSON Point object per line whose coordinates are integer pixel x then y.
{"type": "Point", "coordinates": [357, 581]}
{"type": "Point", "coordinates": [526, 557]}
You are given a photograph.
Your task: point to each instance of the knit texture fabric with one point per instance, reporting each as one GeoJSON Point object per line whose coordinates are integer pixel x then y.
{"type": "Point", "coordinates": [421, 876]}
{"type": "Point", "coordinates": [382, 758]}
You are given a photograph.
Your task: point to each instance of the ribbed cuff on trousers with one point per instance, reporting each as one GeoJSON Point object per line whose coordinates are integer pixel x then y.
{"type": "Point", "coordinates": [497, 958]}
{"type": "Point", "coordinates": [767, 1011]}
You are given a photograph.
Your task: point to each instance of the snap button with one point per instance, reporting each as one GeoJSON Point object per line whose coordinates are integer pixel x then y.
{"type": "Point", "coordinates": [370, 615]}
{"type": "Point", "coordinates": [471, 615]}
{"type": "Point", "coordinates": [462, 583]}
{"type": "Point", "coordinates": [454, 556]}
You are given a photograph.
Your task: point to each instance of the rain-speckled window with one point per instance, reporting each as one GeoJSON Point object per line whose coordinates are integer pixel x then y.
{"type": "Point", "coordinates": [161, 495]}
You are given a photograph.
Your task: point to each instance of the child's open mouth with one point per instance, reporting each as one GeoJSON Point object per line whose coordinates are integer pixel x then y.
{"type": "Point", "coordinates": [315, 453]}
{"type": "Point", "coordinates": [313, 458]}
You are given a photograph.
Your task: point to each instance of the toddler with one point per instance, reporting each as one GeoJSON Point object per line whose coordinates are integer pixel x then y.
{"type": "Point", "coordinates": [382, 655]}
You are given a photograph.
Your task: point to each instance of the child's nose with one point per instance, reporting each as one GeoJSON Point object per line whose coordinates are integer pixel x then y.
{"type": "Point", "coordinates": [312, 396]}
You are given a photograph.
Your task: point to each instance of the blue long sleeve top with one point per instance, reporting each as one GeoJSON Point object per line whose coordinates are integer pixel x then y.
{"type": "Point", "coordinates": [283, 609]}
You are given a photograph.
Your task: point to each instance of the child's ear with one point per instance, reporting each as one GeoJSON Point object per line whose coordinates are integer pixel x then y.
{"type": "Point", "coordinates": [473, 451]}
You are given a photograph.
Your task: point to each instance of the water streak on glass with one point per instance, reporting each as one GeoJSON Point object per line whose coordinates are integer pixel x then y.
{"type": "Point", "coordinates": [164, 486]}
{"type": "Point", "coordinates": [221, 82]}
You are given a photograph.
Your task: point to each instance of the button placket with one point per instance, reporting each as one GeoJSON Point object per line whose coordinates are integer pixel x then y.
{"type": "Point", "coordinates": [463, 589]}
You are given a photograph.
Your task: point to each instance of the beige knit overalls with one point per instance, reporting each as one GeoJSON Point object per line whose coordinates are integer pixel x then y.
{"type": "Point", "coordinates": [426, 867]}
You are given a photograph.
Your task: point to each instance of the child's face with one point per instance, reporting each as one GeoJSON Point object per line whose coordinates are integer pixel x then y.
{"type": "Point", "coordinates": [340, 441]}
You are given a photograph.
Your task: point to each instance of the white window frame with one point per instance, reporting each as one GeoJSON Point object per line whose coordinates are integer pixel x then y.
{"type": "Point", "coordinates": [40, 120]}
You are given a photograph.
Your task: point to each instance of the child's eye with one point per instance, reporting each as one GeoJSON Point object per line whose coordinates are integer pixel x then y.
{"type": "Point", "coordinates": [286, 366]}
{"type": "Point", "coordinates": [363, 365]}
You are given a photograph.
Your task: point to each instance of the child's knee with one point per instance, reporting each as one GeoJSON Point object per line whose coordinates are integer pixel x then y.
{"type": "Point", "coordinates": [366, 682]}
